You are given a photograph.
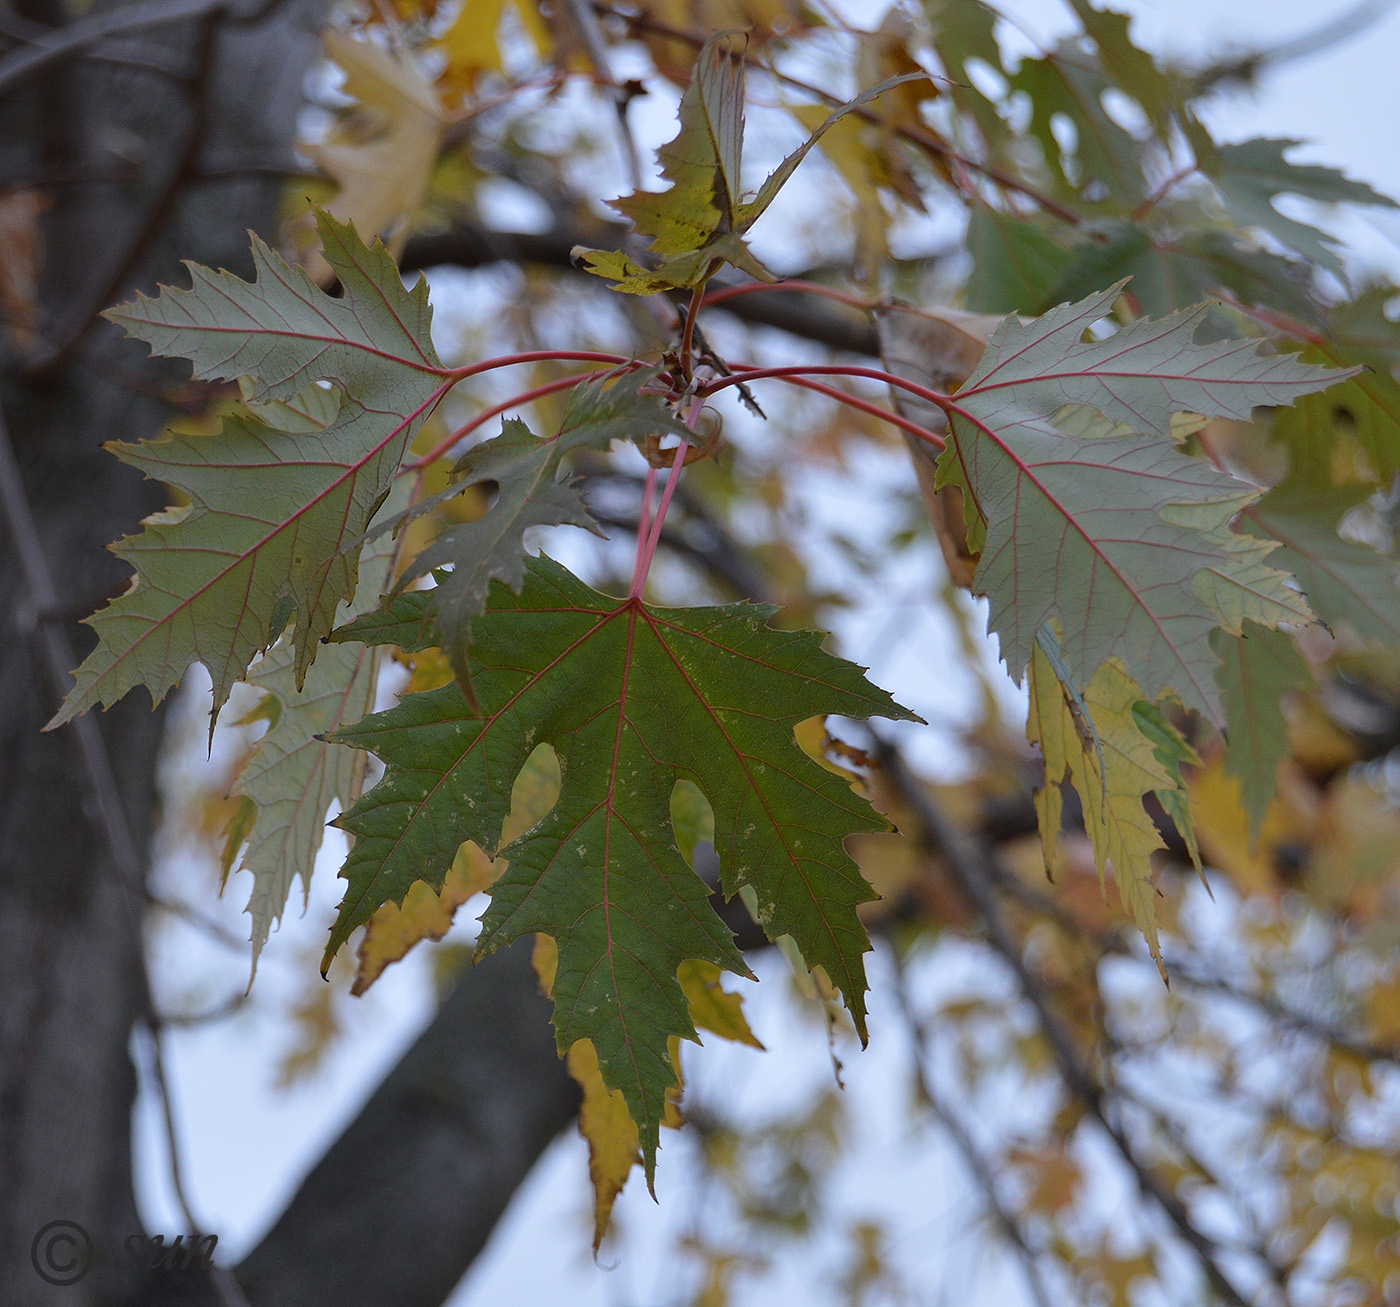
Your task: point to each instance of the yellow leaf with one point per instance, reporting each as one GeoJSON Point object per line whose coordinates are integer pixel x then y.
{"type": "Point", "coordinates": [1222, 822]}
{"type": "Point", "coordinates": [424, 914]}
{"type": "Point", "coordinates": [614, 1147]}
{"type": "Point", "coordinates": [712, 1007]}
{"type": "Point", "coordinates": [603, 1120]}
{"type": "Point", "coordinates": [393, 930]}
{"type": "Point", "coordinates": [431, 669]}
{"type": "Point", "coordinates": [1112, 765]}
{"type": "Point", "coordinates": [382, 153]}
{"type": "Point", "coordinates": [471, 44]}
{"type": "Point", "coordinates": [1383, 1011]}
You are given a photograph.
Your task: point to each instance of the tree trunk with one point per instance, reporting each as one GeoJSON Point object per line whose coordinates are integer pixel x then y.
{"type": "Point", "coordinates": [171, 154]}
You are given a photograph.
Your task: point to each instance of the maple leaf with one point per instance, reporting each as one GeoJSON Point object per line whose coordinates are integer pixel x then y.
{"type": "Point", "coordinates": [276, 516]}
{"type": "Point", "coordinates": [1349, 584]}
{"type": "Point", "coordinates": [700, 219]}
{"type": "Point", "coordinates": [1069, 82]}
{"type": "Point", "coordinates": [382, 153]}
{"type": "Point", "coordinates": [526, 468]}
{"type": "Point", "coordinates": [1111, 771]}
{"type": "Point", "coordinates": [633, 699]}
{"type": "Point", "coordinates": [293, 774]}
{"type": "Point", "coordinates": [424, 914]}
{"type": "Point", "coordinates": [1132, 555]}
{"type": "Point", "coordinates": [1251, 174]}
{"type": "Point", "coordinates": [1258, 668]}
{"type": "Point", "coordinates": [1357, 421]}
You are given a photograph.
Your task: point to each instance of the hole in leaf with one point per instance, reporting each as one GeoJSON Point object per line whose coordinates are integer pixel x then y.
{"type": "Point", "coordinates": [692, 818]}
{"type": "Point", "coordinates": [535, 792]}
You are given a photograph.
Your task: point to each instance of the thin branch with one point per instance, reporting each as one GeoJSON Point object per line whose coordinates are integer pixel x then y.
{"type": "Point", "coordinates": [469, 245]}
{"type": "Point", "coordinates": [726, 293]}
{"type": "Point", "coordinates": [1247, 67]}
{"type": "Point", "coordinates": [1184, 973]}
{"type": "Point", "coordinates": [586, 21]}
{"type": "Point", "coordinates": [196, 918]}
{"type": "Point", "coordinates": [79, 36]}
{"type": "Point", "coordinates": [235, 1002]}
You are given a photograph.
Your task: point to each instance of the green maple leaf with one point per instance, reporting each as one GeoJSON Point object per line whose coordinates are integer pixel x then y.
{"type": "Point", "coordinates": [699, 220]}
{"type": "Point", "coordinates": [1360, 416]}
{"type": "Point", "coordinates": [1348, 584]}
{"type": "Point", "coordinates": [1258, 668]}
{"type": "Point", "coordinates": [1131, 68]}
{"type": "Point", "coordinates": [1250, 175]}
{"type": "Point", "coordinates": [293, 775]}
{"type": "Point", "coordinates": [633, 699]}
{"type": "Point", "coordinates": [1177, 270]}
{"type": "Point", "coordinates": [1070, 81]}
{"type": "Point", "coordinates": [527, 468]}
{"type": "Point", "coordinates": [1120, 539]}
{"type": "Point", "coordinates": [277, 512]}
{"type": "Point", "coordinates": [1016, 264]}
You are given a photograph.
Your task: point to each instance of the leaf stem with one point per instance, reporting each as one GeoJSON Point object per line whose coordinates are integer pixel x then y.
{"type": "Point", "coordinates": [644, 518]}
{"type": "Point", "coordinates": [525, 397]}
{"type": "Point", "coordinates": [789, 284]}
{"type": "Point", "coordinates": [647, 540]}
{"type": "Point", "coordinates": [1157, 196]}
{"type": "Point", "coordinates": [827, 370]}
{"type": "Point", "coordinates": [534, 356]}
{"type": "Point", "coordinates": [856, 402]}
{"type": "Point", "coordinates": [688, 331]}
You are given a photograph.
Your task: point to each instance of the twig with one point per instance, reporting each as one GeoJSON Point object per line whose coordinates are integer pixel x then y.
{"type": "Point", "coordinates": [586, 20]}
{"type": "Point", "coordinates": [1182, 972]}
{"type": "Point", "coordinates": [207, 924]}
{"type": "Point", "coordinates": [1246, 67]}
{"type": "Point", "coordinates": [219, 1012]}
{"type": "Point", "coordinates": [79, 36]}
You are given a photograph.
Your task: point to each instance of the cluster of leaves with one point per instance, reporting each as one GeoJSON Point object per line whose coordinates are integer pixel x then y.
{"type": "Point", "coordinates": [1149, 559]}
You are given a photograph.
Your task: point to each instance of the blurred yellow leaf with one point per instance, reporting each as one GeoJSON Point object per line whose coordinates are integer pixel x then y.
{"type": "Point", "coordinates": [472, 46]}
{"type": "Point", "coordinates": [1223, 824]}
{"type": "Point", "coordinates": [381, 154]}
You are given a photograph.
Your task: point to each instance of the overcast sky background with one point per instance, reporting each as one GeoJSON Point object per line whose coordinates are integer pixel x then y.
{"type": "Point", "coordinates": [247, 1143]}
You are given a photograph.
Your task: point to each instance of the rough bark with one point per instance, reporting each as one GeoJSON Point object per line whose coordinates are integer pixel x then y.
{"type": "Point", "coordinates": [406, 1198]}
{"type": "Point", "coordinates": [71, 973]}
